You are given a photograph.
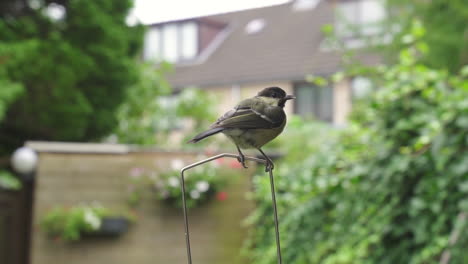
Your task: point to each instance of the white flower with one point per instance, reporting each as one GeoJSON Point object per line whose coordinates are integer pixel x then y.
{"type": "Point", "coordinates": [177, 164]}
{"type": "Point", "coordinates": [202, 186]}
{"type": "Point", "coordinates": [92, 219]}
{"type": "Point", "coordinates": [195, 194]}
{"type": "Point", "coordinates": [173, 182]}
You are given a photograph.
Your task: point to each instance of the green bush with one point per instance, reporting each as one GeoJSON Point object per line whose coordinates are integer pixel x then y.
{"type": "Point", "coordinates": [69, 224]}
{"type": "Point", "coordinates": [390, 188]}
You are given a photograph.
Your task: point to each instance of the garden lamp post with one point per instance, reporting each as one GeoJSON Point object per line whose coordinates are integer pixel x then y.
{"type": "Point", "coordinates": [24, 162]}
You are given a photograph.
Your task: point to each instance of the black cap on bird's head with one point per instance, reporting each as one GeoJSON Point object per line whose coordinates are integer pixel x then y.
{"type": "Point", "coordinates": [276, 92]}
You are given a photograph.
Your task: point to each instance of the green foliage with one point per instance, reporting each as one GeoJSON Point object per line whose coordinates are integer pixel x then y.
{"type": "Point", "coordinates": [69, 224]}
{"type": "Point", "coordinates": [197, 105]}
{"type": "Point", "coordinates": [152, 114]}
{"type": "Point", "coordinates": [11, 90]}
{"type": "Point", "coordinates": [387, 189]}
{"type": "Point", "coordinates": [74, 71]}
{"type": "Point", "coordinates": [9, 181]}
{"type": "Point", "coordinates": [138, 117]}
{"type": "Point", "coordinates": [446, 33]}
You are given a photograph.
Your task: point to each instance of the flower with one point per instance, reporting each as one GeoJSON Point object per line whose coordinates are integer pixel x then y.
{"type": "Point", "coordinates": [173, 182]}
{"type": "Point", "coordinates": [195, 194]}
{"type": "Point", "coordinates": [92, 219]}
{"type": "Point", "coordinates": [202, 186]}
{"type": "Point", "coordinates": [235, 164]}
{"type": "Point", "coordinates": [177, 164]}
{"type": "Point", "coordinates": [221, 196]}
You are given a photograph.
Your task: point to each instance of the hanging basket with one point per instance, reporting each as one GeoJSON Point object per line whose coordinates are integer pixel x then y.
{"type": "Point", "coordinates": [112, 227]}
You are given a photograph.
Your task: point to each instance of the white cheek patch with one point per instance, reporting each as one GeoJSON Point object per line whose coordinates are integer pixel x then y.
{"type": "Point", "coordinates": [270, 101]}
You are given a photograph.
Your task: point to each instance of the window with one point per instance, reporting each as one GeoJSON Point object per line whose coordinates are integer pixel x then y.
{"type": "Point", "coordinates": [356, 18]}
{"type": "Point", "coordinates": [189, 41]}
{"type": "Point", "coordinates": [170, 43]}
{"type": "Point", "coordinates": [152, 44]}
{"type": "Point", "coordinates": [173, 42]}
{"type": "Point", "coordinates": [314, 101]}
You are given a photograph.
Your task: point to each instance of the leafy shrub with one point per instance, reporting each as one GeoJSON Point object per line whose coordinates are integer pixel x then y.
{"type": "Point", "coordinates": [70, 224]}
{"type": "Point", "coordinates": [388, 189]}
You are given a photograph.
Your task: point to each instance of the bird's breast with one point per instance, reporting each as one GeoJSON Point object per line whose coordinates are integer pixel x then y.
{"type": "Point", "coordinates": [253, 138]}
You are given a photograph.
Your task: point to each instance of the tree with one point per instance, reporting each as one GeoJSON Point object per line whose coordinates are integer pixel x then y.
{"type": "Point", "coordinates": [74, 61]}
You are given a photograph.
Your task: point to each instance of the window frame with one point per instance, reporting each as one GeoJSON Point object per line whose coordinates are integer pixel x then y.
{"type": "Point", "coordinates": [179, 39]}
{"type": "Point", "coordinates": [316, 108]}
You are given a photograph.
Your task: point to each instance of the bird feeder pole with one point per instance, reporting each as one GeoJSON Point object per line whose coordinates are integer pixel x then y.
{"type": "Point", "coordinates": [228, 155]}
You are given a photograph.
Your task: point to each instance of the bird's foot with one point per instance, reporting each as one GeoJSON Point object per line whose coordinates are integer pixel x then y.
{"type": "Point", "coordinates": [269, 166]}
{"type": "Point", "coordinates": [241, 159]}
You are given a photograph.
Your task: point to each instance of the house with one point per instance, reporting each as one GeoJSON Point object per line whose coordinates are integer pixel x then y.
{"type": "Point", "coordinates": [234, 55]}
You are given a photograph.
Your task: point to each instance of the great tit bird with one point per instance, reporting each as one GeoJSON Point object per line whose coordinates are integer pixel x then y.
{"type": "Point", "coordinates": [253, 122]}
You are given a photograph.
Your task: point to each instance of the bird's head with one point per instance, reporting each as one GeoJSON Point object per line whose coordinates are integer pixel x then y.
{"type": "Point", "coordinates": [275, 96]}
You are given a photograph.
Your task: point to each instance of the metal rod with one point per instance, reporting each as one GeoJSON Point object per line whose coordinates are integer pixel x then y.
{"type": "Point", "coordinates": [275, 212]}
{"type": "Point", "coordinates": [184, 205]}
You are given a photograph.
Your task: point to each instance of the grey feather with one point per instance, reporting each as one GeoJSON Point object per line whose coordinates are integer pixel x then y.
{"type": "Point", "coordinates": [205, 134]}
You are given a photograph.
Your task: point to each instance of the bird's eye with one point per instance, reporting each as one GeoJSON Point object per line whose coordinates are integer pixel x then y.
{"type": "Point", "coordinates": [274, 95]}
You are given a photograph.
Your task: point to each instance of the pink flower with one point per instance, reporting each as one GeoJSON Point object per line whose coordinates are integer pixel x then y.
{"type": "Point", "coordinates": [235, 164]}
{"type": "Point", "coordinates": [209, 151]}
{"type": "Point", "coordinates": [221, 196]}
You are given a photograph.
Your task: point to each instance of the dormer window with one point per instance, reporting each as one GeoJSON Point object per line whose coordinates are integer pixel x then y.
{"type": "Point", "coordinates": [172, 42]}
{"type": "Point", "coordinates": [255, 26]}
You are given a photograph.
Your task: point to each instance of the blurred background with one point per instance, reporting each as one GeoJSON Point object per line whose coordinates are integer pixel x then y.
{"type": "Point", "coordinates": [97, 100]}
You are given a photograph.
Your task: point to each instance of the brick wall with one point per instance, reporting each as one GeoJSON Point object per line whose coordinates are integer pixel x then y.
{"type": "Point", "coordinates": [68, 178]}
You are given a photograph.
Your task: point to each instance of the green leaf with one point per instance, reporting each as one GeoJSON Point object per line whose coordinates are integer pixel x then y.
{"type": "Point", "coordinates": [9, 181]}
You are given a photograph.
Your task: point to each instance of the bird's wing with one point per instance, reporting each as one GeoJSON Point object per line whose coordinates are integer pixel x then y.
{"type": "Point", "coordinates": [245, 118]}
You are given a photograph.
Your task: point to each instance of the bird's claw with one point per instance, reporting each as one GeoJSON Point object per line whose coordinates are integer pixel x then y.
{"type": "Point", "coordinates": [269, 166]}
{"type": "Point", "coordinates": [241, 159]}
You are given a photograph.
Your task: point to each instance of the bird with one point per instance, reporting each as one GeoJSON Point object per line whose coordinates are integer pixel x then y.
{"type": "Point", "coordinates": [252, 123]}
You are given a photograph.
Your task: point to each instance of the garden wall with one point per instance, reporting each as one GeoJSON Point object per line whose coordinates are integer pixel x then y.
{"type": "Point", "coordinates": [70, 174]}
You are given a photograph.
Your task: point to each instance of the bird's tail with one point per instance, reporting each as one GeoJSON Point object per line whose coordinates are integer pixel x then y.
{"type": "Point", "coordinates": [205, 134]}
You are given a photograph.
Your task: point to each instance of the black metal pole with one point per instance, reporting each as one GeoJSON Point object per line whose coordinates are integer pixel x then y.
{"type": "Point", "coordinates": [275, 212]}
{"type": "Point", "coordinates": [184, 204]}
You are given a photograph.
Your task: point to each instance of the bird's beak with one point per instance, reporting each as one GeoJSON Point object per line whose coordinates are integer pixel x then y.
{"type": "Point", "coordinates": [289, 97]}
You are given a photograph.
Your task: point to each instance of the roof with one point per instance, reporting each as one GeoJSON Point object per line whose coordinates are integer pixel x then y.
{"type": "Point", "coordinates": [288, 48]}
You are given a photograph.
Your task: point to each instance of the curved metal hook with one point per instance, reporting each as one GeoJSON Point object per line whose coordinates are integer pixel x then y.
{"type": "Point", "coordinates": [184, 205]}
